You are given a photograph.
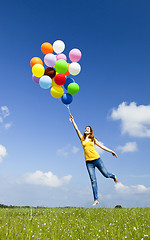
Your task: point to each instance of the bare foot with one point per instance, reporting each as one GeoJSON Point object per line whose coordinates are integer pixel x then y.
{"type": "Point", "coordinates": [95, 203]}
{"type": "Point", "coordinates": [115, 179]}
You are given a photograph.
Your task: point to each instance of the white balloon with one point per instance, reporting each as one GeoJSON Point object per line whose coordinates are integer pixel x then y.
{"type": "Point", "coordinates": [74, 68]}
{"type": "Point", "coordinates": [58, 46]}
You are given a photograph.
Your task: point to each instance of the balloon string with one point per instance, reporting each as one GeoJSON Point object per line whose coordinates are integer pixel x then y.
{"type": "Point", "coordinates": [68, 108]}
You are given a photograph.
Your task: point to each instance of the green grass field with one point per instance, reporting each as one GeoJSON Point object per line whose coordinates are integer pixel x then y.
{"type": "Point", "coordinates": [74, 223]}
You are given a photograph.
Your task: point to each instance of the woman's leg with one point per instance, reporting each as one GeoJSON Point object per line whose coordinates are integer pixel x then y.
{"type": "Point", "coordinates": [91, 170]}
{"type": "Point", "coordinates": [100, 165]}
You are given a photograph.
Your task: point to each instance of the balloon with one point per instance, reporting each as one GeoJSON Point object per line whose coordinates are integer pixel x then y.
{"type": "Point", "coordinates": [67, 73]}
{"type": "Point", "coordinates": [50, 60]}
{"type": "Point", "coordinates": [61, 56]}
{"type": "Point", "coordinates": [38, 70]}
{"type": "Point", "coordinates": [46, 48]}
{"type": "Point", "coordinates": [35, 60]}
{"type": "Point", "coordinates": [73, 88]}
{"type": "Point", "coordinates": [53, 83]}
{"type": "Point", "coordinates": [61, 66]}
{"type": "Point", "coordinates": [60, 79]}
{"type": "Point", "coordinates": [74, 68]}
{"type": "Point", "coordinates": [45, 82]}
{"type": "Point", "coordinates": [35, 79]}
{"type": "Point", "coordinates": [68, 81]}
{"type": "Point", "coordinates": [66, 98]}
{"type": "Point", "coordinates": [58, 46]}
{"type": "Point", "coordinates": [50, 72]}
{"type": "Point", "coordinates": [75, 55]}
{"type": "Point", "coordinates": [57, 91]}
{"type": "Point", "coordinates": [57, 70]}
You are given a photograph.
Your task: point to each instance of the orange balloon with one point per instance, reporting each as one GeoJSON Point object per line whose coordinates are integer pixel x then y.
{"type": "Point", "coordinates": [67, 73]}
{"type": "Point", "coordinates": [36, 60]}
{"type": "Point", "coordinates": [46, 48]}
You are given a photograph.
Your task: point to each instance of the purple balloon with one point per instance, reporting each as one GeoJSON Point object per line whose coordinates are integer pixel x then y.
{"type": "Point", "coordinates": [50, 60]}
{"type": "Point", "coordinates": [35, 79]}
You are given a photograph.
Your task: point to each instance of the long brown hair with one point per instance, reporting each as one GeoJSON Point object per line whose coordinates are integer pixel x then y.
{"type": "Point", "coordinates": [91, 134]}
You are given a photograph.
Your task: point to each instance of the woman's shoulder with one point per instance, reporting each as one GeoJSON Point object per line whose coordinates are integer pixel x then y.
{"type": "Point", "coordinates": [95, 139]}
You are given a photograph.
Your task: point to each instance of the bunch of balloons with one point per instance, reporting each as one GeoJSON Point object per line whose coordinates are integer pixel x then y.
{"type": "Point", "coordinates": [56, 75]}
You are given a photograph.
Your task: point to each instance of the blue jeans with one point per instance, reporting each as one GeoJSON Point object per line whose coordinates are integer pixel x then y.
{"type": "Point", "coordinates": [91, 170]}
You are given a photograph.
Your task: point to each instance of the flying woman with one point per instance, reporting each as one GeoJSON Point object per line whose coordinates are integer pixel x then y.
{"type": "Point", "coordinates": [92, 158]}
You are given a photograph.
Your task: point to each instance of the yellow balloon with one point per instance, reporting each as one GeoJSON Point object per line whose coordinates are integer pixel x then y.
{"type": "Point", "coordinates": [53, 83]}
{"type": "Point", "coordinates": [38, 70]}
{"type": "Point", "coordinates": [57, 91]}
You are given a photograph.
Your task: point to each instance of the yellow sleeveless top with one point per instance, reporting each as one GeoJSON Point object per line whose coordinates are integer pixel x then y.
{"type": "Point", "coordinates": [89, 150]}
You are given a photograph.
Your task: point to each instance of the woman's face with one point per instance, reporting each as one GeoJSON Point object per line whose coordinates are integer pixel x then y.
{"type": "Point", "coordinates": [87, 130]}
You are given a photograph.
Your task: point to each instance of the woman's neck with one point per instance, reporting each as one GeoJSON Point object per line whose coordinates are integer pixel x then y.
{"type": "Point", "coordinates": [87, 137]}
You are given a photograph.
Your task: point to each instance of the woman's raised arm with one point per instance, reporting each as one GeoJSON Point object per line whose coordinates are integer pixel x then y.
{"type": "Point", "coordinates": [75, 126]}
{"type": "Point", "coordinates": [105, 148]}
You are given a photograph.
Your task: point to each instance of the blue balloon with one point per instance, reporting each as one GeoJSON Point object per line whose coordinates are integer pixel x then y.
{"type": "Point", "coordinates": [68, 81]}
{"type": "Point", "coordinates": [66, 98]}
{"type": "Point", "coordinates": [45, 82]}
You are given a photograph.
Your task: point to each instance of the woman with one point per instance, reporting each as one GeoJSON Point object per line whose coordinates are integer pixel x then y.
{"type": "Point", "coordinates": [92, 158]}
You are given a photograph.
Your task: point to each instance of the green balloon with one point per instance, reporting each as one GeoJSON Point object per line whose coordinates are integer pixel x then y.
{"type": "Point", "coordinates": [61, 66]}
{"type": "Point", "coordinates": [73, 88]}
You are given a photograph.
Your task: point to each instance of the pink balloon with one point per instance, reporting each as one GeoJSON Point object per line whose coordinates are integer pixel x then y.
{"type": "Point", "coordinates": [61, 56]}
{"type": "Point", "coordinates": [75, 55]}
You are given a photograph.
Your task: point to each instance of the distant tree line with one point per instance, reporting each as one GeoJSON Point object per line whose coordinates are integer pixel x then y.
{"type": "Point", "coordinates": [10, 206]}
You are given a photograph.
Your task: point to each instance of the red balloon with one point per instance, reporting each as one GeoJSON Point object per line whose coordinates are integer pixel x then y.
{"type": "Point", "coordinates": [50, 72]}
{"type": "Point", "coordinates": [60, 79]}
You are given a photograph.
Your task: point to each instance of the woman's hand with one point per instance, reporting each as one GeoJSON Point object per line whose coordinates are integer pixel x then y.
{"type": "Point", "coordinates": [114, 154]}
{"type": "Point", "coordinates": [71, 117]}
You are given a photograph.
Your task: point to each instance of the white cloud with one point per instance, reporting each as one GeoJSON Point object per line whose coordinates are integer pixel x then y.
{"type": "Point", "coordinates": [8, 125]}
{"type": "Point", "coordinates": [63, 151]}
{"type": "Point", "coordinates": [75, 149]}
{"type": "Point", "coordinates": [133, 189]}
{"type": "Point", "coordinates": [1, 119]}
{"type": "Point", "coordinates": [128, 147]}
{"type": "Point", "coordinates": [46, 179]}
{"type": "Point", "coordinates": [135, 120]}
{"type": "Point", "coordinates": [68, 149]}
{"type": "Point", "coordinates": [5, 111]}
{"type": "Point", "coordinates": [3, 152]}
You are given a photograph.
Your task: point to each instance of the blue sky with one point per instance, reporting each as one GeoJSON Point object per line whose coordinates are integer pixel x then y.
{"type": "Point", "coordinates": [41, 157]}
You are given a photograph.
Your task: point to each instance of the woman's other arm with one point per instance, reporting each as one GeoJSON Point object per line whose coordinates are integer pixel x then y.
{"type": "Point", "coordinates": [105, 148]}
{"type": "Point", "coordinates": [75, 126]}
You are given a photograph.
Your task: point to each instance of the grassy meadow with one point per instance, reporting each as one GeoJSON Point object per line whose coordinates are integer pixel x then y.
{"type": "Point", "coordinates": [74, 223]}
